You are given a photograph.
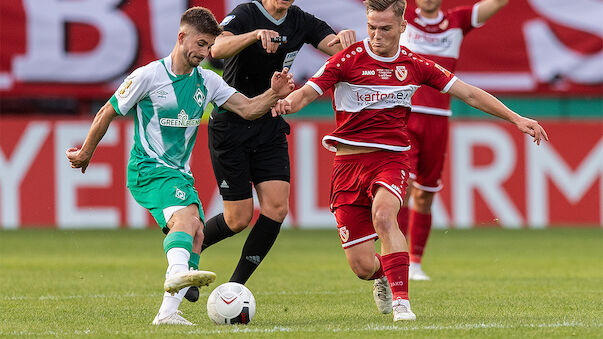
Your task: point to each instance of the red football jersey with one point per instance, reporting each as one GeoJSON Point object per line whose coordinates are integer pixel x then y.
{"type": "Point", "coordinates": [371, 96]}
{"type": "Point", "coordinates": [440, 40]}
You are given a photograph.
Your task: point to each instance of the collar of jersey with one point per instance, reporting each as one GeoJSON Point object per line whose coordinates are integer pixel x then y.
{"type": "Point", "coordinates": [167, 63]}
{"type": "Point", "coordinates": [377, 57]}
{"type": "Point", "coordinates": [429, 21]}
{"type": "Point", "coordinates": [268, 16]}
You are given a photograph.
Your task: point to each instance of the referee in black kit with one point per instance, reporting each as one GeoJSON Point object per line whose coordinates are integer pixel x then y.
{"type": "Point", "coordinates": [260, 37]}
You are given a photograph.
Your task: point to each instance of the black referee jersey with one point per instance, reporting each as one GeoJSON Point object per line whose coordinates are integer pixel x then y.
{"type": "Point", "coordinates": [250, 70]}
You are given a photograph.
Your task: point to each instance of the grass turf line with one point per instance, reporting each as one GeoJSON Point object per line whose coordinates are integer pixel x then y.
{"type": "Point", "coordinates": [486, 283]}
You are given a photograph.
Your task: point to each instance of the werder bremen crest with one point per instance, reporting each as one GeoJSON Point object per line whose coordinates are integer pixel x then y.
{"type": "Point", "coordinates": [182, 121]}
{"type": "Point", "coordinates": [199, 97]}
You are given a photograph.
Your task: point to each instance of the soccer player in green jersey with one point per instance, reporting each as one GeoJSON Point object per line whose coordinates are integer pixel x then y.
{"type": "Point", "coordinates": [167, 98]}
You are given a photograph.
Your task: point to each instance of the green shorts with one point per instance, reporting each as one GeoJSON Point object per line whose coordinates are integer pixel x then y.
{"type": "Point", "coordinates": [163, 191]}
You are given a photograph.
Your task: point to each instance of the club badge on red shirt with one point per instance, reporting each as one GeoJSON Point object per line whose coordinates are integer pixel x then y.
{"type": "Point", "coordinates": [401, 72]}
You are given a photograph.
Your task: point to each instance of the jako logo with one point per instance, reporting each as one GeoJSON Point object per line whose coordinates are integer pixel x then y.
{"type": "Point", "coordinates": [372, 72]}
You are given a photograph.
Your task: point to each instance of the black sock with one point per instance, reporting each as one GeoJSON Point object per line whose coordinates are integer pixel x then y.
{"type": "Point", "coordinates": [215, 230]}
{"type": "Point", "coordinates": [258, 243]}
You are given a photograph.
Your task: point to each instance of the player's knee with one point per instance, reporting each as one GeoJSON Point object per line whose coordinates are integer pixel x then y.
{"type": "Point", "coordinates": [276, 210]}
{"type": "Point", "coordinates": [363, 267]}
{"type": "Point", "coordinates": [384, 220]}
{"type": "Point", "coordinates": [238, 222]}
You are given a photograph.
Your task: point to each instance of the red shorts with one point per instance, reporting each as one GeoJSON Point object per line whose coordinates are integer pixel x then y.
{"type": "Point", "coordinates": [355, 179]}
{"type": "Point", "coordinates": [428, 135]}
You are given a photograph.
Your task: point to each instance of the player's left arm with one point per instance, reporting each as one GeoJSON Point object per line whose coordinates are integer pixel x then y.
{"type": "Point", "coordinates": [281, 84]}
{"type": "Point", "coordinates": [487, 8]}
{"type": "Point", "coordinates": [332, 43]}
{"type": "Point", "coordinates": [485, 102]}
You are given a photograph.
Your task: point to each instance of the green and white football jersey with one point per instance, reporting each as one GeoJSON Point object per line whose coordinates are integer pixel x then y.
{"type": "Point", "coordinates": [168, 110]}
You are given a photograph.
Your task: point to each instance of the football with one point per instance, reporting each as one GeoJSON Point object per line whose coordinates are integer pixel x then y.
{"type": "Point", "coordinates": [231, 303]}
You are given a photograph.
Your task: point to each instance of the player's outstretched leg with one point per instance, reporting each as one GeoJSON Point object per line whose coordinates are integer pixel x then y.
{"type": "Point", "coordinates": [177, 281]}
{"type": "Point", "coordinates": [178, 246]}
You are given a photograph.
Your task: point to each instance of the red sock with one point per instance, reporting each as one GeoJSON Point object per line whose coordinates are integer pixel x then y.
{"type": "Point", "coordinates": [379, 274]}
{"type": "Point", "coordinates": [420, 226]}
{"type": "Point", "coordinates": [403, 220]}
{"type": "Point", "coordinates": [395, 266]}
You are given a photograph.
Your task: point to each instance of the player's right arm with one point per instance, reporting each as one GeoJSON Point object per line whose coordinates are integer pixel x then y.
{"type": "Point", "coordinates": [80, 158]}
{"type": "Point", "coordinates": [133, 88]}
{"type": "Point", "coordinates": [295, 101]}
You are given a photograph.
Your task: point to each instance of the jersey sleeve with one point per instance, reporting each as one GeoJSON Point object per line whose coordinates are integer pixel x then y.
{"type": "Point", "coordinates": [132, 90]}
{"type": "Point", "coordinates": [317, 29]}
{"type": "Point", "coordinates": [434, 75]}
{"type": "Point", "coordinates": [237, 21]}
{"type": "Point", "coordinates": [218, 91]}
{"type": "Point", "coordinates": [466, 16]}
{"type": "Point", "coordinates": [328, 75]}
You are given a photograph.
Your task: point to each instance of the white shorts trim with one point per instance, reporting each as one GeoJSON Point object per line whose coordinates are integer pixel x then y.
{"type": "Point", "coordinates": [428, 188]}
{"type": "Point", "coordinates": [393, 190]}
{"type": "Point", "coordinates": [169, 211]}
{"type": "Point", "coordinates": [362, 144]}
{"type": "Point", "coordinates": [357, 241]}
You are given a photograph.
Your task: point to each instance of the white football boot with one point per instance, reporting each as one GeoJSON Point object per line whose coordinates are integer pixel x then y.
{"type": "Point", "coordinates": [383, 295]}
{"type": "Point", "coordinates": [180, 280]}
{"type": "Point", "coordinates": [416, 273]}
{"type": "Point", "coordinates": [402, 310]}
{"type": "Point", "coordinates": [171, 319]}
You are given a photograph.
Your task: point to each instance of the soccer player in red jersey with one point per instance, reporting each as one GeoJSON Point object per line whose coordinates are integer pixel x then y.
{"type": "Point", "coordinates": [436, 35]}
{"type": "Point", "coordinates": [373, 83]}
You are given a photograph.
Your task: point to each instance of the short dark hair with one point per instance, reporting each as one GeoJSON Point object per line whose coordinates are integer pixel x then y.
{"type": "Point", "coordinates": [202, 19]}
{"type": "Point", "coordinates": [399, 6]}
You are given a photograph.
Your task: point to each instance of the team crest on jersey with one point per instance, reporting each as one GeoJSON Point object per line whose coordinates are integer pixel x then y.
{"type": "Point", "coordinates": [180, 194]}
{"type": "Point", "coordinates": [199, 97]}
{"type": "Point", "coordinates": [124, 89]}
{"type": "Point", "coordinates": [344, 234]}
{"type": "Point", "coordinates": [401, 72]}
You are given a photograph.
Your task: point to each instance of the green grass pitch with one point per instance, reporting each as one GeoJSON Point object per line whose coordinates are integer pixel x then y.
{"type": "Point", "coordinates": [485, 283]}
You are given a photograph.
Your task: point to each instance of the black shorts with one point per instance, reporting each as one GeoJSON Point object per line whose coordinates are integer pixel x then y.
{"type": "Point", "coordinates": [245, 152]}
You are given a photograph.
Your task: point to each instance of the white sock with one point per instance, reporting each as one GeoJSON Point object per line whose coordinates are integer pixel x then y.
{"type": "Point", "coordinates": [171, 303]}
{"type": "Point", "coordinates": [177, 262]}
{"type": "Point", "coordinates": [415, 265]}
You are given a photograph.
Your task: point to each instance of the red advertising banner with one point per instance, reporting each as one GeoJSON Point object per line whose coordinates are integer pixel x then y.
{"type": "Point", "coordinates": [494, 176]}
{"type": "Point", "coordinates": [85, 48]}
